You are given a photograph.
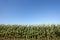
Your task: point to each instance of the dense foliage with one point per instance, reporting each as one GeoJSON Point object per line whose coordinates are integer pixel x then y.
{"type": "Point", "coordinates": [24, 31]}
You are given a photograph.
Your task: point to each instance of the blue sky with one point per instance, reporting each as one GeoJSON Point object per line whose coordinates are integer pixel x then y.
{"type": "Point", "coordinates": [29, 11]}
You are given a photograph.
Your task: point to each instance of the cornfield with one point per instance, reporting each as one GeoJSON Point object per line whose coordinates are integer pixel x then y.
{"type": "Point", "coordinates": [31, 32]}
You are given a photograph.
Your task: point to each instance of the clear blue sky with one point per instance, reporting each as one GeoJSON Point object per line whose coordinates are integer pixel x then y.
{"type": "Point", "coordinates": [29, 11]}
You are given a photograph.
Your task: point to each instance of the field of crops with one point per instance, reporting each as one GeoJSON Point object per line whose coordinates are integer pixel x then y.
{"type": "Point", "coordinates": [31, 32]}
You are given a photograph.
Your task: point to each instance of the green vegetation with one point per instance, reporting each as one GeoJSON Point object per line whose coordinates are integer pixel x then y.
{"type": "Point", "coordinates": [39, 32]}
